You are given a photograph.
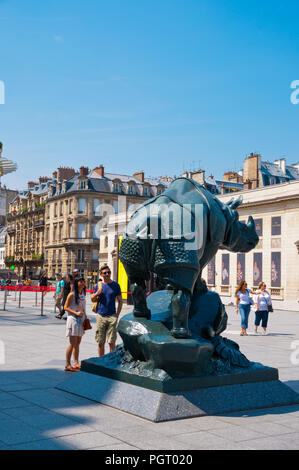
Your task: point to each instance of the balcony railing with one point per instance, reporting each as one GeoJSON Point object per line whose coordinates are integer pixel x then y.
{"type": "Point", "coordinates": [39, 223]}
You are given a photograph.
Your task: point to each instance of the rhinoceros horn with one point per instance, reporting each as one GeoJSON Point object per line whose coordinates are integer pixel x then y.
{"type": "Point", "coordinates": [250, 223]}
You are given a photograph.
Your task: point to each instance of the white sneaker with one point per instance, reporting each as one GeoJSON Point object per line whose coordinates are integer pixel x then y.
{"type": "Point", "coordinates": [265, 333]}
{"type": "Point", "coordinates": [255, 332]}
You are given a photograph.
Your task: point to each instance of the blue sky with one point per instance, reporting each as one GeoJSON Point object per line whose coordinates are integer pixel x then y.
{"type": "Point", "coordinates": [154, 85]}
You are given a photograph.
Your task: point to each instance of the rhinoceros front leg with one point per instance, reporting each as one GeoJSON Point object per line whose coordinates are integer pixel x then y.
{"type": "Point", "coordinates": [139, 300]}
{"type": "Point", "coordinates": [180, 311]}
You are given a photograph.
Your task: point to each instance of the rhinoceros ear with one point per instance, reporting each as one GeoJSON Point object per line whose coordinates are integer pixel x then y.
{"type": "Point", "coordinates": [233, 204]}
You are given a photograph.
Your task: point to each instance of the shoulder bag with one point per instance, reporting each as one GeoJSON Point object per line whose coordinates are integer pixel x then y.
{"type": "Point", "coordinates": [95, 304]}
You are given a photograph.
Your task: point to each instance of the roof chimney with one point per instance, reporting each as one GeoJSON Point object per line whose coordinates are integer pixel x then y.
{"type": "Point", "coordinates": [83, 171]}
{"type": "Point", "coordinates": [99, 170]}
{"type": "Point", "coordinates": [65, 173]}
{"type": "Point", "coordinates": [42, 179]}
{"type": "Point", "coordinates": [282, 164]}
{"type": "Point", "coordinates": [198, 176]}
{"type": "Point", "coordinates": [139, 175]}
{"type": "Point", "coordinates": [54, 175]}
{"type": "Point", "coordinates": [31, 184]}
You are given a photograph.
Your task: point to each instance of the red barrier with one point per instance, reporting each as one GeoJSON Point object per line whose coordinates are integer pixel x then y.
{"type": "Point", "coordinates": [39, 289]}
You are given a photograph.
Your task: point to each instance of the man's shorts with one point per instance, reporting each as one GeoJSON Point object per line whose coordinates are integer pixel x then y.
{"type": "Point", "coordinates": [57, 301]}
{"type": "Point", "coordinates": [106, 328]}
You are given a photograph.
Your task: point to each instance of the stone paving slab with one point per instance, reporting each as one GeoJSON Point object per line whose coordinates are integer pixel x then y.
{"type": "Point", "coordinates": [38, 418]}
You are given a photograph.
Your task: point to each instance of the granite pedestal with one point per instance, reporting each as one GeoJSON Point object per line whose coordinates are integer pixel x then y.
{"type": "Point", "coordinates": [160, 406]}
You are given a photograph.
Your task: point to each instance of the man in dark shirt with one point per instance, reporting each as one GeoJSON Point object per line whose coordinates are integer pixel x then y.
{"type": "Point", "coordinates": [106, 293]}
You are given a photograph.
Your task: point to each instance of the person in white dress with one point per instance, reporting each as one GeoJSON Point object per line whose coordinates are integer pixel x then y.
{"type": "Point", "coordinates": [75, 306]}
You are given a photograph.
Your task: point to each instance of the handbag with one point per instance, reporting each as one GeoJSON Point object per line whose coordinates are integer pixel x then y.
{"type": "Point", "coordinates": [270, 308]}
{"type": "Point", "coordinates": [95, 304]}
{"type": "Point", "coordinates": [86, 324]}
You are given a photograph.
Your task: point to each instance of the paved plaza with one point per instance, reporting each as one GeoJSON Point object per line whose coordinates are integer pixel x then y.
{"type": "Point", "coordinates": [36, 416]}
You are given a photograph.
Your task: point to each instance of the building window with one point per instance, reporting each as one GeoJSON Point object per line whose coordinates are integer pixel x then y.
{"type": "Point", "coordinates": [54, 233]}
{"type": "Point", "coordinates": [55, 209]}
{"type": "Point", "coordinates": [80, 256]}
{"type": "Point", "coordinates": [95, 231]}
{"type": "Point", "coordinates": [276, 226]}
{"type": "Point", "coordinates": [116, 187]}
{"type": "Point", "coordinates": [59, 256]}
{"type": "Point", "coordinates": [276, 269]}
{"type": "Point", "coordinates": [70, 230]}
{"type": "Point", "coordinates": [69, 253]}
{"type": "Point", "coordinates": [225, 270]}
{"type": "Point", "coordinates": [115, 206]}
{"type": "Point", "coordinates": [60, 231]}
{"type": "Point", "coordinates": [81, 230]}
{"type": "Point", "coordinates": [145, 191]}
{"type": "Point", "coordinates": [54, 256]}
{"type": "Point", "coordinates": [257, 268]}
{"type": "Point", "coordinates": [71, 206]}
{"type": "Point", "coordinates": [106, 242]}
{"type": "Point", "coordinates": [96, 206]}
{"type": "Point", "coordinates": [61, 208]}
{"type": "Point", "coordinates": [82, 185]}
{"type": "Point", "coordinates": [259, 227]}
{"type": "Point", "coordinates": [95, 254]}
{"type": "Point", "coordinates": [81, 206]}
{"type": "Point", "coordinates": [131, 189]}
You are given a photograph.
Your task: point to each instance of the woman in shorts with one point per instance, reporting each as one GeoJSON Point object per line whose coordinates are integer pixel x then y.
{"type": "Point", "coordinates": [75, 306]}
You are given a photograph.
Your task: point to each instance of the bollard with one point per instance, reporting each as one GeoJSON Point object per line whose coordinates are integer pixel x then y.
{"type": "Point", "coordinates": [15, 294]}
{"type": "Point", "coordinates": [5, 294]}
{"type": "Point", "coordinates": [42, 304]}
{"type": "Point", "coordinates": [20, 299]}
{"type": "Point", "coordinates": [36, 298]}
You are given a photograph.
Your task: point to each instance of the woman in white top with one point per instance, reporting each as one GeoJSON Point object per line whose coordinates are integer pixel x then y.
{"type": "Point", "coordinates": [75, 306]}
{"type": "Point", "coordinates": [243, 302]}
{"type": "Point", "coordinates": [262, 302]}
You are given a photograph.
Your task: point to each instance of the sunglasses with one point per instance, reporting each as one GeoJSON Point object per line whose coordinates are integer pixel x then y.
{"type": "Point", "coordinates": [106, 272]}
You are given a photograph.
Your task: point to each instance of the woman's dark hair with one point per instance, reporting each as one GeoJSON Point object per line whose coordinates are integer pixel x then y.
{"type": "Point", "coordinates": [76, 289]}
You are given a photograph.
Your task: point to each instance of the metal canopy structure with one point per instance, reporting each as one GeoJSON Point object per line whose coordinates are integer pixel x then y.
{"type": "Point", "coordinates": [6, 166]}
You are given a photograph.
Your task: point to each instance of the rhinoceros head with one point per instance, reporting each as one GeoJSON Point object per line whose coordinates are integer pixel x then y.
{"type": "Point", "coordinates": [239, 236]}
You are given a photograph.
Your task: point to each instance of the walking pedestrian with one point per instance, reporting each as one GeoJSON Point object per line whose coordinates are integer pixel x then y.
{"type": "Point", "coordinates": [106, 293]}
{"type": "Point", "coordinates": [66, 289]}
{"type": "Point", "coordinates": [76, 314]}
{"type": "Point", "coordinates": [243, 303]}
{"type": "Point", "coordinates": [43, 282]}
{"type": "Point", "coordinates": [263, 304]}
{"type": "Point", "coordinates": [58, 292]}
